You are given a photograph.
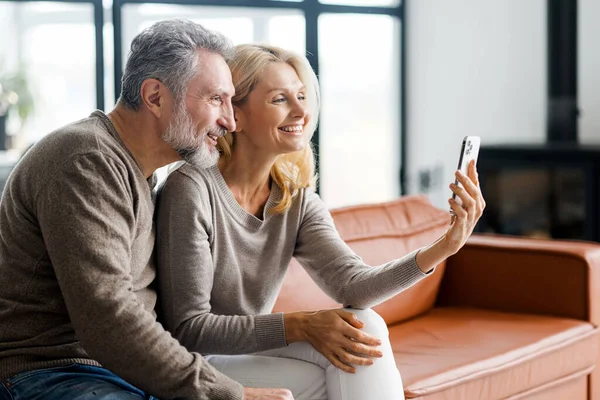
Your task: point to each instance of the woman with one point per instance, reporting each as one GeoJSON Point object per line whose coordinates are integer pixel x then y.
{"type": "Point", "coordinates": [226, 235]}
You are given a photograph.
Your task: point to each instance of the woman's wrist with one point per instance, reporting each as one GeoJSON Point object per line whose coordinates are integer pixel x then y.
{"type": "Point", "coordinates": [429, 257]}
{"type": "Point", "coordinates": [293, 323]}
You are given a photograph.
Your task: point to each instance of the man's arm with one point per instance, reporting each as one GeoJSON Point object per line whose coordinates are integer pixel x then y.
{"type": "Point", "coordinates": [87, 219]}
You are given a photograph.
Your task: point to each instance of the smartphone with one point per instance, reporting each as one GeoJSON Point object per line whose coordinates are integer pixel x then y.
{"type": "Point", "coordinates": [468, 152]}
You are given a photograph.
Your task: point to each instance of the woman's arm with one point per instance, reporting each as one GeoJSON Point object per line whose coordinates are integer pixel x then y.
{"type": "Point", "coordinates": [341, 273]}
{"type": "Point", "coordinates": [336, 333]}
{"type": "Point", "coordinates": [348, 280]}
{"type": "Point", "coordinates": [185, 276]}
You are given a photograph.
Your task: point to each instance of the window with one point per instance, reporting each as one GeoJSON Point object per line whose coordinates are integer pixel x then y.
{"type": "Point", "coordinates": [53, 44]}
{"type": "Point", "coordinates": [281, 27]}
{"type": "Point", "coordinates": [74, 64]}
{"type": "Point", "coordinates": [370, 3]}
{"type": "Point", "coordinates": [359, 141]}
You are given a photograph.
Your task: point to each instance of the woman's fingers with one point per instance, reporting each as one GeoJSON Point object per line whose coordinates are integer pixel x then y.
{"type": "Point", "coordinates": [337, 335]}
{"type": "Point", "coordinates": [359, 336]}
{"type": "Point", "coordinates": [350, 318]}
{"type": "Point", "coordinates": [467, 201]}
{"type": "Point", "coordinates": [333, 359]}
{"type": "Point", "coordinates": [472, 172]}
{"type": "Point", "coordinates": [470, 195]}
{"type": "Point", "coordinates": [350, 353]}
{"type": "Point", "coordinates": [362, 349]}
{"type": "Point", "coordinates": [457, 208]}
{"type": "Point", "coordinates": [469, 185]}
{"type": "Point", "coordinates": [467, 206]}
{"type": "Point", "coordinates": [353, 359]}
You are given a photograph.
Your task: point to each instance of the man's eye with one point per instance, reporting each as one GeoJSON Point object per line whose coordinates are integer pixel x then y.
{"type": "Point", "coordinates": [218, 99]}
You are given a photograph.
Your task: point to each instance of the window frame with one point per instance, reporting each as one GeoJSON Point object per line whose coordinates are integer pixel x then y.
{"type": "Point", "coordinates": [311, 9]}
{"type": "Point", "coordinates": [98, 35]}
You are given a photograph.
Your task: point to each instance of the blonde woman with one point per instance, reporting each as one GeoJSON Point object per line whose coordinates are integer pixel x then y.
{"type": "Point", "coordinates": [227, 233]}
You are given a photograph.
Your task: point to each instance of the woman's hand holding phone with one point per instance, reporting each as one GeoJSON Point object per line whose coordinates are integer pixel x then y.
{"type": "Point", "coordinates": [467, 211]}
{"type": "Point", "coordinates": [466, 206]}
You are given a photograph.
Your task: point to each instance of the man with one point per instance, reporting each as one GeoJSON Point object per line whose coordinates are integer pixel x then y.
{"type": "Point", "coordinates": [76, 235]}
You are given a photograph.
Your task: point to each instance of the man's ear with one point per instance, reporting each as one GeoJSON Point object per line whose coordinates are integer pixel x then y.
{"type": "Point", "coordinates": [155, 97]}
{"type": "Point", "coordinates": [239, 116]}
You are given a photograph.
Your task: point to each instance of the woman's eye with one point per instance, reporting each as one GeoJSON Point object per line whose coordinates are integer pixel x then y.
{"type": "Point", "coordinates": [301, 97]}
{"type": "Point", "coordinates": [279, 100]}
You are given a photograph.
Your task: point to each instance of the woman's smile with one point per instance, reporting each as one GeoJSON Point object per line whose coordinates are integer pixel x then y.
{"type": "Point", "coordinates": [294, 129]}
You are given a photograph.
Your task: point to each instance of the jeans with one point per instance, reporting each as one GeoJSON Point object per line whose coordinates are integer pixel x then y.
{"type": "Point", "coordinates": [74, 382]}
{"type": "Point", "coordinates": [310, 376]}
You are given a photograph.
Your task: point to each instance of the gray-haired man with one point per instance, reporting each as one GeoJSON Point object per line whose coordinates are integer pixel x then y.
{"type": "Point", "coordinates": [76, 235]}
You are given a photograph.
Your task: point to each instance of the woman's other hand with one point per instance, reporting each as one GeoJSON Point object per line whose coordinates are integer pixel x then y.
{"type": "Point", "coordinates": [336, 334]}
{"type": "Point", "coordinates": [267, 394]}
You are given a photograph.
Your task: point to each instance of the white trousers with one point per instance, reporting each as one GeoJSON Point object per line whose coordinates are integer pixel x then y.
{"type": "Point", "coordinates": [310, 376]}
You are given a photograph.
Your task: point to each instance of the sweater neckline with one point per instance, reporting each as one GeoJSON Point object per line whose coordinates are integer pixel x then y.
{"type": "Point", "coordinates": [236, 209]}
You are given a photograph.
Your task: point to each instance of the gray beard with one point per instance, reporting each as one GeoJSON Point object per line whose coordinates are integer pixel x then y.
{"type": "Point", "coordinates": [192, 148]}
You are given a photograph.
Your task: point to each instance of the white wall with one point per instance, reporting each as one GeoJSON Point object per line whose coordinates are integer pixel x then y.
{"type": "Point", "coordinates": [588, 70]}
{"type": "Point", "coordinates": [474, 67]}
{"type": "Point", "coordinates": [8, 36]}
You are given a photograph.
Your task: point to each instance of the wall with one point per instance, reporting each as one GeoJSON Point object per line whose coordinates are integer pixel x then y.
{"type": "Point", "coordinates": [588, 71]}
{"type": "Point", "coordinates": [8, 35]}
{"type": "Point", "coordinates": [473, 68]}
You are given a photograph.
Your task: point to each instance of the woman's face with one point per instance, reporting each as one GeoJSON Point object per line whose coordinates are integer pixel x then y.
{"type": "Point", "coordinates": [274, 115]}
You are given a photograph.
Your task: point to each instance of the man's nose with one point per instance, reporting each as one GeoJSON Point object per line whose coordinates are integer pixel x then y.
{"type": "Point", "coordinates": [227, 120]}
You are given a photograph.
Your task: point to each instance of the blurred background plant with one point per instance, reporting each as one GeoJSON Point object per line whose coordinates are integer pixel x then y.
{"type": "Point", "coordinates": [15, 92]}
{"type": "Point", "coordinates": [16, 103]}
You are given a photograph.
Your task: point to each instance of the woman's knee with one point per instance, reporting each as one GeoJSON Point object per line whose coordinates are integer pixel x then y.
{"type": "Point", "coordinates": [374, 324]}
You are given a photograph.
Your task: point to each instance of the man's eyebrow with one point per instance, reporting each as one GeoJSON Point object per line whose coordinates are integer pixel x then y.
{"type": "Point", "coordinates": [219, 90]}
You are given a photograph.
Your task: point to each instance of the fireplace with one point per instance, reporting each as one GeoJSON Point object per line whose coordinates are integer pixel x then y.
{"type": "Point", "coordinates": [547, 190]}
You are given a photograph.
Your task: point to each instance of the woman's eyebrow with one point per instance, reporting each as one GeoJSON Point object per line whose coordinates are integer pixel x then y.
{"type": "Point", "coordinates": [301, 88]}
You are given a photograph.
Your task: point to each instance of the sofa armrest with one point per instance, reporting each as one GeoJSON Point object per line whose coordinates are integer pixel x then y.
{"type": "Point", "coordinates": [534, 276]}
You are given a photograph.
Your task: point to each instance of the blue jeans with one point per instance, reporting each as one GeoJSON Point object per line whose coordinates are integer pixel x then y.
{"type": "Point", "coordinates": [75, 382]}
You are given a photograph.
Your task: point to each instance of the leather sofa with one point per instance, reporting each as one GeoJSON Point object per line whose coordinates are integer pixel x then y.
{"type": "Point", "coordinates": [504, 318]}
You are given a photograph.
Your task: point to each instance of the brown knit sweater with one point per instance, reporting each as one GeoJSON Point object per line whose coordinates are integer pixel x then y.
{"type": "Point", "coordinates": [220, 268]}
{"type": "Point", "coordinates": [76, 241]}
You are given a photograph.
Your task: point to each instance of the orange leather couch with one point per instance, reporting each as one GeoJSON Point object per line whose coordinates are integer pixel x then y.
{"type": "Point", "coordinates": [505, 318]}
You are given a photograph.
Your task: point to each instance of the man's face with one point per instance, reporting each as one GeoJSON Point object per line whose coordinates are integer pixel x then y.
{"type": "Point", "coordinates": [204, 114]}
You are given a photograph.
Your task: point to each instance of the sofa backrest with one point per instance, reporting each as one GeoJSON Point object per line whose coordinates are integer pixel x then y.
{"type": "Point", "coordinates": [378, 233]}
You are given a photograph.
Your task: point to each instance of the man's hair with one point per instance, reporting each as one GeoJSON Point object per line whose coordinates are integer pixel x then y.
{"type": "Point", "coordinates": [168, 51]}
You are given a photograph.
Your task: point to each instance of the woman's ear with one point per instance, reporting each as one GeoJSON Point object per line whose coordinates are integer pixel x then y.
{"type": "Point", "coordinates": [239, 117]}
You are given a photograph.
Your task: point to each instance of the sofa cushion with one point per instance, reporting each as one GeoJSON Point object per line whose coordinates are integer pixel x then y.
{"type": "Point", "coordinates": [378, 233]}
{"type": "Point", "coordinates": [479, 354]}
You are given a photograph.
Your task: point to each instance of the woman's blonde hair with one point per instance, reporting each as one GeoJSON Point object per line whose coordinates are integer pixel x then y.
{"type": "Point", "coordinates": [291, 171]}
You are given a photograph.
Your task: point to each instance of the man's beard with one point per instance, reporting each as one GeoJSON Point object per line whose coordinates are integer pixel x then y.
{"type": "Point", "coordinates": [182, 136]}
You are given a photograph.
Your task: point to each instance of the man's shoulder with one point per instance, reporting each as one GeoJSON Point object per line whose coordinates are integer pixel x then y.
{"type": "Point", "coordinates": [65, 150]}
{"type": "Point", "coordinates": [91, 135]}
